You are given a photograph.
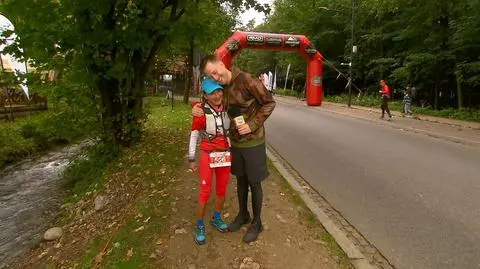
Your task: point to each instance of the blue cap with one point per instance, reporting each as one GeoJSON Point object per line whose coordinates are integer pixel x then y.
{"type": "Point", "coordinates": [210, 86]}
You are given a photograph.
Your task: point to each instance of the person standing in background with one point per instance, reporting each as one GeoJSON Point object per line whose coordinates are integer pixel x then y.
{"type": "Point", "coordinates": [385, 93]}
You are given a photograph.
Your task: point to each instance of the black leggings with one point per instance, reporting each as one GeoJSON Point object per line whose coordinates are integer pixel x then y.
{"type": "Point", "coordinates": [385, 106]}
{"type": "Point", "coordinates": [257, 198]}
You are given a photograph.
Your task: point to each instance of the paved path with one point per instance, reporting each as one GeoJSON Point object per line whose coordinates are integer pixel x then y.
{"type": "Point", "coordinates": [414, 196]}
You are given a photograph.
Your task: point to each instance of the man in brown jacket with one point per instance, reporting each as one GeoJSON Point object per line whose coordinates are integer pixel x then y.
{"type": "Point", "coordinates": [249, 104]}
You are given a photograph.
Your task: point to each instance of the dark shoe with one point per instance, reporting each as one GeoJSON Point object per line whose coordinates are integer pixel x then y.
{"type": "Point", "coordinates": [239, 222]}
{"type": "Point", "coordinates": [252, 233]}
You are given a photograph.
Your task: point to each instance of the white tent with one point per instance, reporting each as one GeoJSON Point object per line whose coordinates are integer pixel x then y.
{"type": "Point", "coordinates": [7, 59]}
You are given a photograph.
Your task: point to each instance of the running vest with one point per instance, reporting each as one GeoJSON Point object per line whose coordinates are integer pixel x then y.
{"type": "Point", "coordinates": [216, 122]}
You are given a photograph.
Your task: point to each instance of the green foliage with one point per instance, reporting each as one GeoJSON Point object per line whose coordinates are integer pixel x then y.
{"type": "Point", "coordinates": [86, 172]}
{"type": "Point", "coordinates": [432, 45]}
{"type": "Point", "coordinates": [40, 132]}
{"type": "Point", "coordinates": [106, 48]}
{"type": "Point", "coordinates": [155, 161]}
{"type": "Point", "coordinates": [13, 145]}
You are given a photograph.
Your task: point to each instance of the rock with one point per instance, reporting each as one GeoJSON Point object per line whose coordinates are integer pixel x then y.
{"type": "Point", "coordinates": [100, 202]}
{"type": "Point", "coordinates": [141, 228]}
{"type": "Point", "coordinates": [67, 205]}
{"type": "Point", "coordinates": [248, 263]}
{"type": "Point", "coordinates": [191, 266]}
{"type": "Point", "coordinates": [42, 254]}
{"type": "Point", "coordinates": [180, 231]}
{"type": "Point", "coordinates": [53, 234]}
{"type": "Point", "coordinates": [280, 218]}
{"type": "Point", "coordinates": [130, 253]}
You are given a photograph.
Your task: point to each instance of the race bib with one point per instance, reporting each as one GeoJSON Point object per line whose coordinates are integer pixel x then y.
{"type": "Point", "coordinates": [220, 159]}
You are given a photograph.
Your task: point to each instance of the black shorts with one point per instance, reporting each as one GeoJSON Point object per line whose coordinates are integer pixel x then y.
{"type": "Point", "coordinates": [250, 162]}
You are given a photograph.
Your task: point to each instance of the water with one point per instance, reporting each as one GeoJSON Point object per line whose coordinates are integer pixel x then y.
{"type": "Point", "coordinates": [30, 196]}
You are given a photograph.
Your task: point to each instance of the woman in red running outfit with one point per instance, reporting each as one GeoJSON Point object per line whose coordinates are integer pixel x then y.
{"type": "Point", "coordinates": [212, 127]}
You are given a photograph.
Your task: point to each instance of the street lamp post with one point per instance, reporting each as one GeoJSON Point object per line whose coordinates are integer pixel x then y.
{"type": "Point", "coordinates": [354, 49]}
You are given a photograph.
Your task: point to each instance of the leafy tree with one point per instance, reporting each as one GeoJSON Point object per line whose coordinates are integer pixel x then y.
{"type": "Point", "coordinates": [114, 43]}
{"type": "Point", "coordinates": [433, 45]}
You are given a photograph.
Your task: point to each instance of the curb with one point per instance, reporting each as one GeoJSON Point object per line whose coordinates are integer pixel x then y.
{"type": "Point", "coordinates": [459, 123]}
{"type": "Point", "coordinates": [354, 254]}
{"type": "Point", "coordinates": [409, 129]}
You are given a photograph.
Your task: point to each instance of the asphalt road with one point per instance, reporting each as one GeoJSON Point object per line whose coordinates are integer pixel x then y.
{"type": "Point", "coordinates": [416, 198]}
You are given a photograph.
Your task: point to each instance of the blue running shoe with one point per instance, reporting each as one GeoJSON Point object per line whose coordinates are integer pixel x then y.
{"type": "Point", "coordinates": [200, 235]}
{"type": "Point", "coordinates": [219, 224]}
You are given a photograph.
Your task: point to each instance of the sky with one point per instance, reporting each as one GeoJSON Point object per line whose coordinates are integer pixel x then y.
{"type": "Point", "coordinates": [13, 63]}
{"type": "Point", "coordinates": [252, 14]}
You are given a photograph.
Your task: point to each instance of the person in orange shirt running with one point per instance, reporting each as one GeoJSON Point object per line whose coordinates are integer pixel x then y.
{"type": "Point", "coordinates": [212, 127]}
{"type": "Point", "coordinates": [385, 92]}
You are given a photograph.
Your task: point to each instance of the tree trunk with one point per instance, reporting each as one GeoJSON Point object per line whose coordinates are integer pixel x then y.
{"type": "Point", "coordinates": [189, 78]}
{"type": "Point", "coordinates": [111, 111]}
{"type": "Point", "coordinates": [435, 100]}
{"type": "Point", "coordinates": [459, 78]}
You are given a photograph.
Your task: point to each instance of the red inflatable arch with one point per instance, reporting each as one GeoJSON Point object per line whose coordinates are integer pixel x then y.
{"type": "Point", "coordinates": [281, 42]}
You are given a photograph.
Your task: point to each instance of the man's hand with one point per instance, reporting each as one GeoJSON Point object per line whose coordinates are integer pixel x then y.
{"type": "Point", "coordinates": [193, 166]}
{"type": "Point", "coordinates": [197, 110]}
{"type": "Point", "coordinates": [244, 129]}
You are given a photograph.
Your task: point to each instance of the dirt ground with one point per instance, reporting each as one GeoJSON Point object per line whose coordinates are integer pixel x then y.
{"type": "Point", "coordinates": [148, 220]}
{"type": "Point", "coordinates": [291, 239]}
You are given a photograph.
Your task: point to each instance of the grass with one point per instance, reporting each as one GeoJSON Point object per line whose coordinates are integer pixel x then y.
{"type": "Point", "coordinates": [86, 172]}
{"type": "Point", "coordinates": [154, 163]}
{"type": "Point", "coordinates": [39, 132]}
{"type": "Point", "coordinates": [311, 220]}
{"type": "Point", "coordinates": [286, 92]}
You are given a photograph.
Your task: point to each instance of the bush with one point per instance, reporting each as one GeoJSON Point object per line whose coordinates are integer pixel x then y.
{"type": "Point", "coordinates": [13, 145]}
{"type": "Point", "coordinates": [40, 132]}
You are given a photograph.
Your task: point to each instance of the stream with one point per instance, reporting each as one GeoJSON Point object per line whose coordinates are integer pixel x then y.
{"type": "Point", "coordinates": [30, 196]}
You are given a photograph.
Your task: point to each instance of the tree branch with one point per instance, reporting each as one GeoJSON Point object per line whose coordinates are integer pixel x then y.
{"type": "Point", "coordinates": [153, 51]}
{"type": "Point", "coordinates": [174, 16]}
{"type": "Point", "coordinates": [173, 13]}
